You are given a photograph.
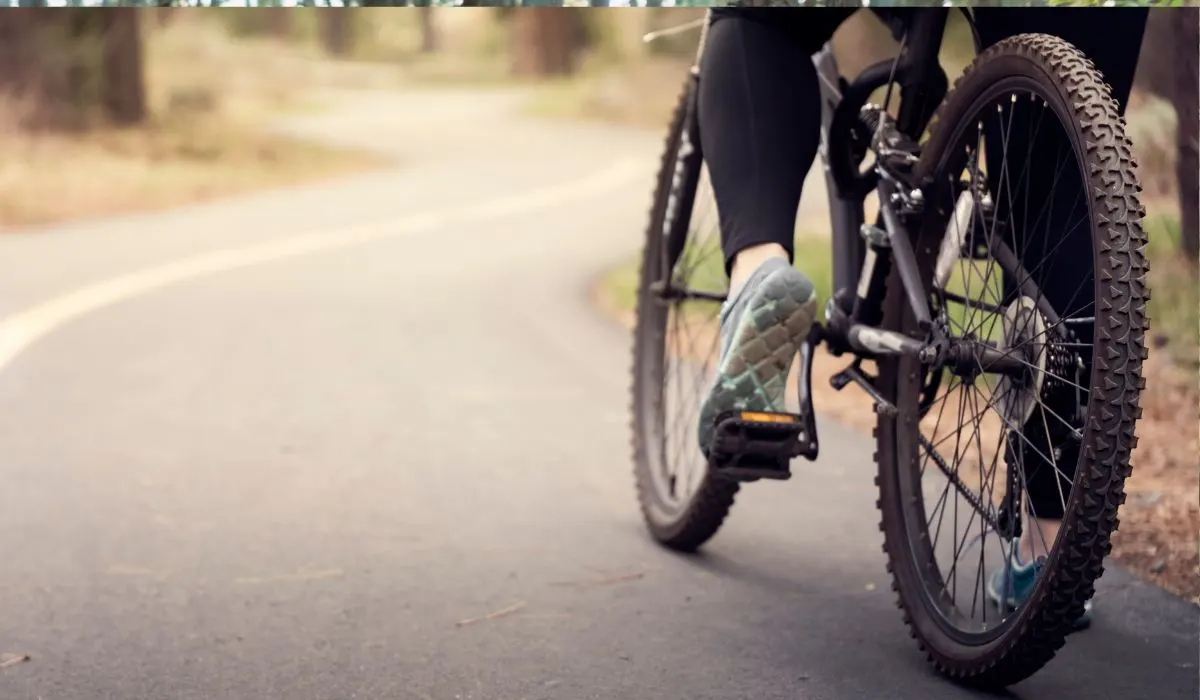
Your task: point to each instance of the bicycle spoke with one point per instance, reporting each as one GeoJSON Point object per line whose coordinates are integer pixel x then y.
{"type": "Point", "coordinates": [982, 522]}
{"type": "Point", "coordinates": [980, 318]}
{"type": "Point", "coordinates": [974, 511]}
{"type": "Point", "coordinates": [941, 411]}
{"type": "Point", "coordinates": [957, 461]}
{"type": "Point", "coordinates": [1033, 447]}
{"type": "Point", "coordinates": [1062, 499]}
{"type": "Point", "coordinates": [946, 490]}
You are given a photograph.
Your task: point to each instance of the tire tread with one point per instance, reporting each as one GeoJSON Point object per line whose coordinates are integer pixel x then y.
{"type": "Point", "coordinates": [1122, 267]}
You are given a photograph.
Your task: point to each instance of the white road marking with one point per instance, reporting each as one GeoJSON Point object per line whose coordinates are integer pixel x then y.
{"type": "Point", "coordinates": [20, 330]}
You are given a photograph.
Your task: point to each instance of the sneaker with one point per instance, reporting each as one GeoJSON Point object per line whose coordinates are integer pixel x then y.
{"type": "Point", "coordinates": [762, 325]}
{"type": "Point", "coordinates": [1022, 578]}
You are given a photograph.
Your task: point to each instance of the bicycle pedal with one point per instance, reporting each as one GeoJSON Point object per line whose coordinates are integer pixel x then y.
{"type": "Point", "coordinates": [753, 445]}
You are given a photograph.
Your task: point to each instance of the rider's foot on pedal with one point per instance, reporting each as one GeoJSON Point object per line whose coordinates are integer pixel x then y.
{"type": "Point", "coordinates": [1021, 581]}
{"type": "Point", "coordinates": [762, 324]}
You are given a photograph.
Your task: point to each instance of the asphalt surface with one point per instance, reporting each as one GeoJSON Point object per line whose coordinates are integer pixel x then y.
{"type": "Point", "coordinates": [292, 468]}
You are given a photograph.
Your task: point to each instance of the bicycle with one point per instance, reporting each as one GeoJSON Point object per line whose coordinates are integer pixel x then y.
{"type": "Point", "coordinates": [1063, 378]}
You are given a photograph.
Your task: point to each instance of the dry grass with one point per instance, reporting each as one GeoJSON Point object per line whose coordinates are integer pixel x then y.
{"type": "Point", "coordinates": [49, 178]}
{"type": "Point", "coordinates": [644, 96]}
{"type": "Point", "coordinates": [210, 98]}
{"type": "Point", "coordinates": [1160, 523]}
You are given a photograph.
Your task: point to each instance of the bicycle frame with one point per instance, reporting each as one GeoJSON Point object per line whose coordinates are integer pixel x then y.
{"type": "Point", "coordinates": [862, 254]}
{"type": "Point", "coordinates": [922, 86]}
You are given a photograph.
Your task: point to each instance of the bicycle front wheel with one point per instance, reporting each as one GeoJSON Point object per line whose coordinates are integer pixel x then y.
{"type": "Point", "coordinates": [675, 345]}
{"type": "Point", "coordinates": [1033, 243]}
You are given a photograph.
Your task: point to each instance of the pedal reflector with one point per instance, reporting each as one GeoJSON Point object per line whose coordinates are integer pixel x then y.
{"type": "Point", "coordinates": [759, 417]}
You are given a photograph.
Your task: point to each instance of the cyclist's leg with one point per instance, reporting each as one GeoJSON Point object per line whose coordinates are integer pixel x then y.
{"type": "Point", "coordinates": [760, 116]}
{"type": "Point", "coordinates": [759, 121]}
{"type": "Point", "coordinates": [1112, 40]}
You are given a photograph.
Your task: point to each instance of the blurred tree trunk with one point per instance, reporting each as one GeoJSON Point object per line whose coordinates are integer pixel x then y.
{"type": "Point", "coordinates": [1168, 68]}
{"type": "Point", "coordinates": [123, 77]}
{"type": "Point", "coordinates": [1187, 110]}
{"type": "Point", "coordinates": [49, 70]}
{"type": "Point", "coordinates": [19, 78]}
{"type": "Point", "coordinates": [64, 67]}
{"type": "Point", "coordinates": [429, 34]}
{"type": "Point", "coordinates": [279, 22]}
{"type": "Point", "coordinates": [336, 30]}
{"type": "Point", "coordinates": [546, 40]}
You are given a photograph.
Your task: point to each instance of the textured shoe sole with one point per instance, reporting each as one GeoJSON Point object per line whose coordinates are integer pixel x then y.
{"type": "Point", "coordinates": [753, 374]}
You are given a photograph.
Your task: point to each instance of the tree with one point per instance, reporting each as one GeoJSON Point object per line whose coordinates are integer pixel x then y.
{"type": "Point", "coordinates": [336, 30]}
{"type": "Point", "coordinates": [547, 41]}
{"type": "Point", "coordinates": [20, 79]}
{"type": "Point", "coordinates": [429, 34]}
{"type": "Point", "coordinates": [1187, 111]}
{"type": "Point", "coordinates": [1168, 68]}
{"type": "Point", "coordinates": [279, 22]}
{"type": "Point", "coordinates": [68, 66]}
{"type": "Point", "coordinates": [123, 94]}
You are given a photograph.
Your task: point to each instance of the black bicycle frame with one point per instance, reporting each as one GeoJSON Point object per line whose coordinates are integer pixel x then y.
{"type": "Point", "coordinates": [922, 86]}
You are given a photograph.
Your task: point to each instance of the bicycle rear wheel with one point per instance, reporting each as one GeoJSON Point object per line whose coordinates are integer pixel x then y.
{"type": "Point", "coordinates": [675, 346]}
{"type": "Point", "coordinates": [1063, 292]}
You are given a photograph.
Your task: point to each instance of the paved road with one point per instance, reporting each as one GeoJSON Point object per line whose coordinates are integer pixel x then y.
{"type": "Point", "coordinates": [289, 467]}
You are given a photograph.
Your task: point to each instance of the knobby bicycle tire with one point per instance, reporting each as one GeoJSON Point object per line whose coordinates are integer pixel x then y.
{"type": "Point", "coordinates": [693, 525]}
{"type": "Point", "coordinates": [1084, 106]}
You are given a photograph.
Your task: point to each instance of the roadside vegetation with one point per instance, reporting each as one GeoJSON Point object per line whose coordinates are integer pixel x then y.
{"type": "Point", "coordinates": [105, 111]}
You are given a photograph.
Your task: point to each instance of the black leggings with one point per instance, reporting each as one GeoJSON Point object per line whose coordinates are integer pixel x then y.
{"type": "Point", "coordinates": [760, 123]}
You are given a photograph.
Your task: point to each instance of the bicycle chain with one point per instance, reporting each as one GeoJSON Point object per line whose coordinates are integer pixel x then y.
{"type": "Point", "coordinates": [990, 514]}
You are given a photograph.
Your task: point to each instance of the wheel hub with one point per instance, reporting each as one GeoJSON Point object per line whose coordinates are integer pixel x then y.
{"type": "Point", "coordinates": [1024, 337]}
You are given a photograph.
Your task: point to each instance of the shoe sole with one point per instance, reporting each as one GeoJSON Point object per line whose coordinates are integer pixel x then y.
{"type": "Point", "coordinates": [753, 375]}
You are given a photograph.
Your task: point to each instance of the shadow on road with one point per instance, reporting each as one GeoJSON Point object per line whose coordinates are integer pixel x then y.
{"type": "Point", "coordinates": [1135, 649]}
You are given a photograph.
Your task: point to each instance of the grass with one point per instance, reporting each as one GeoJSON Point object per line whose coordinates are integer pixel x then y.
{"type": "Point", "coordinates": [114, 171]}
{"type": "Point", "coordinates": [211, 98]}
{"type": "Point", "coordinates": [1174, 306]}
